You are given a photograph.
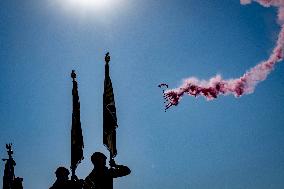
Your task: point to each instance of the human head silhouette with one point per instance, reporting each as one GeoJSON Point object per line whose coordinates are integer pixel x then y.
{"type": "Point", "coordinates": [98, 159]}
{"type": "Point", "coordinates": [62, 173]}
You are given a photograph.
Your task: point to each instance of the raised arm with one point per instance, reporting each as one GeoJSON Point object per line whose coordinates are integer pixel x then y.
{"type": "Point", "coordinates": [118, 170]}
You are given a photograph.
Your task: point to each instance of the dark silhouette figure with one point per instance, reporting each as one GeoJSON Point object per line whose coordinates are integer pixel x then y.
{"type": "Point", "coordinates": [62, 179]}
{"type": "Point", "coordinates": [9, 179]}
{"type": "Point", "coordinates": [101, 176]}
{"type": "Point", "coordinates": [63, 182]}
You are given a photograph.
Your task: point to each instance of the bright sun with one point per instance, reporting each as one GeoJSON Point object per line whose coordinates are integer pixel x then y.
{"type": "Point", "coordinates": [91, 7]}
{"type": "Point", "coordinates": [91, 3]}
{"type": "Point", "coordinates": [96, 5]}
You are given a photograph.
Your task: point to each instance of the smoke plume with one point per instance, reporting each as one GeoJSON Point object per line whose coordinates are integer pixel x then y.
{"type": "Point", "coordinates": [216, 86]}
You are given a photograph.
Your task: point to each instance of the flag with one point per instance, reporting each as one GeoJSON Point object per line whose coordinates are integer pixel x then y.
{"type": "Point", "coordinates": [77, 143]}
{"type": "Point", "coordinates": [109, 113]}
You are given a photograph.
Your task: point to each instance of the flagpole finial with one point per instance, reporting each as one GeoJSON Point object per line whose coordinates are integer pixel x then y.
{"type": "Point", "coordinates": [9, 149]}
{"type": "Point", "coordinates": [73, 74]}
{"type": "Point", "coordinates": [107, 58]}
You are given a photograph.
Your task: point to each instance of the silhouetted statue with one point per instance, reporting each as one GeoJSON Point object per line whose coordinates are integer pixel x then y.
{"type": "Point", "coordinates": [9, 179]}
{"type": "Point", "coordinates": [101, 176]}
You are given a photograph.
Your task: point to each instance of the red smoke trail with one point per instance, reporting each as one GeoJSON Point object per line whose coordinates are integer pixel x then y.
{"type": "Point", "coordinates": [244, 85]}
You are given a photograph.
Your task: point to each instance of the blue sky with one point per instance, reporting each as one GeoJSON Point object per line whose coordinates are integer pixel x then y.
{"type": "Point", "coordinates": [227, 143]}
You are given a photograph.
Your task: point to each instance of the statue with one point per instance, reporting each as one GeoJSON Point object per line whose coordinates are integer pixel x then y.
{"type": "Point", "coordinates": [9, 179]}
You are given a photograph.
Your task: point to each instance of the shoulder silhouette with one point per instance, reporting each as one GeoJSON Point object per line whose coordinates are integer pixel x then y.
{"type": "Point", "coordinates": [101, 177]}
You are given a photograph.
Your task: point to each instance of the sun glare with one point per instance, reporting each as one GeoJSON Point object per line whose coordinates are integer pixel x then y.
{"type": "Point", "coordinates": [91, 3]}
{"type": "Point", "coordinates": [89, 8]}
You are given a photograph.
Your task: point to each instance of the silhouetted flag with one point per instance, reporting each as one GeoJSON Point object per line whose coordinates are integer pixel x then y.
{"type": "Point", "coordinates": [77, 143]}
{"type": "Point", "coordinates": [109, 112]}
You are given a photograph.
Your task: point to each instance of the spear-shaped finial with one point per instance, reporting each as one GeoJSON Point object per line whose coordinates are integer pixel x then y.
{"type": "Point", "coordinates": [73, 75]}
{"type": "Point", "coordinates": [107, 58]}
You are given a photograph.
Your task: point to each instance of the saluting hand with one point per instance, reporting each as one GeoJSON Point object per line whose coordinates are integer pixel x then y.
{"type": "Point", "coordinates": [112, 163]}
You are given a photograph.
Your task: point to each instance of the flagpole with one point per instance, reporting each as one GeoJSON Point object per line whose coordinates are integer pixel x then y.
{"type": "Point", "coordinates": [110, 159]}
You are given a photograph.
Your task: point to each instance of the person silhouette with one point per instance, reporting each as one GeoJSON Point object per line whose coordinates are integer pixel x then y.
{"type": "Point", "coordinates": [101, 177]}
{"type": "Point", "coordinates": [62, 179]}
